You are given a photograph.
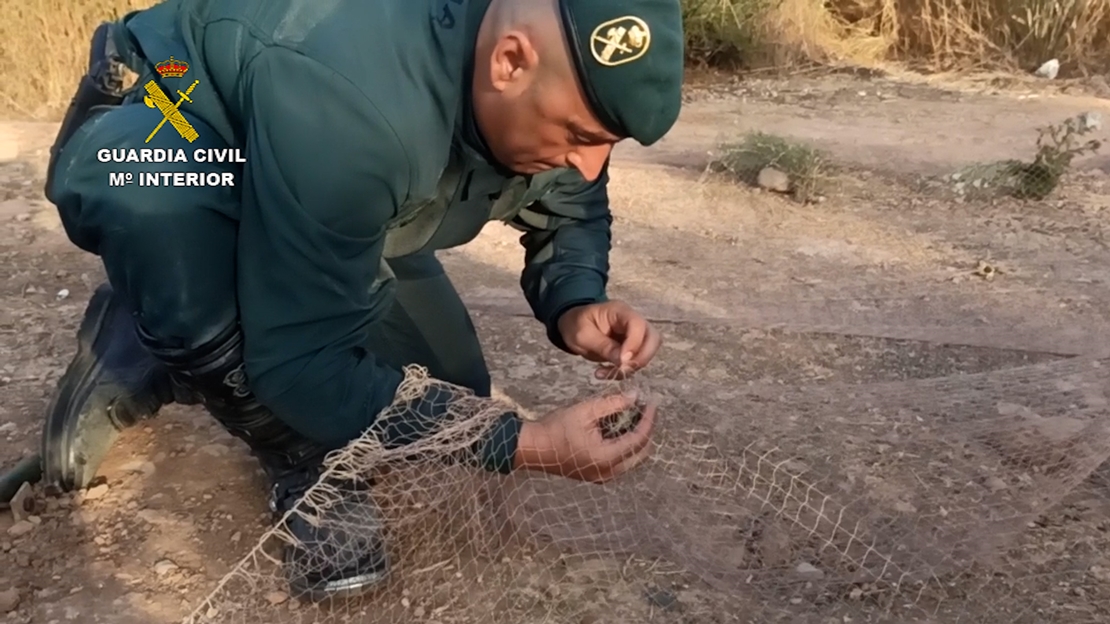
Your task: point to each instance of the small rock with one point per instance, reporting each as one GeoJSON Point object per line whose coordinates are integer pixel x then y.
{"type": "Point", "coordinates": [773, 180]}
{"type": "Point", "coordinates": [406, 603]}
{"type": "Point", "coordinates": [21, 528]}
{"type": "Point", "coordinates": [1014, 409]}
{"type": "Point", "coordinates": [150, 516]}
{"type": "Point", "coordinates": [904, 507]}
{"type": "Point", "coordinates": [809, 571]}
{"type": "Point", "coordinates": [62, 294]}
{"type": "Point", "coordinates": [164, 567]}
{"type": "Point", "coordinates": [418, 612]}
{"type": "Point", "coordinates": [1099, 86]}
{"type": "Point", "coordinates": [140, 467]}
{"type": "Point", "coordinates": [23, 504]}
{"type": "Point", "coordinates": [97, 492]}
{"type": "Point", "coordinates": [215, 450]}
{"type": "Point", "coordinates": [9, 600]}
{"type": "Point", "coordinates": [1049, 69]}
{"type": "Point", "coordinates": [8, 427]}
{"type": "Point", "coordinates": [277, 597]}
{"type": "Point", "coordinates": [1090, 121]}
{"type": "Point", "coordinates": [995, 484]}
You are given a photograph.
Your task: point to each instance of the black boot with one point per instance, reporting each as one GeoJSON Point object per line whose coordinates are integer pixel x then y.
{"type": "Point", "coordinates": [341, 552]}
{"type": "Point", "coordinates": [111, 384]}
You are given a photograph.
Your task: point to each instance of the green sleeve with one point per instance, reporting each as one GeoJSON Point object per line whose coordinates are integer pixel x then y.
{"type": "Point", "coordinates": [324, 173]}
{"type": "Point", "coordinates": [567, 238]}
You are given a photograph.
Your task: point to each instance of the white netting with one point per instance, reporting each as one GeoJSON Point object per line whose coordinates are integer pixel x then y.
{"type": "Point", "coordinates": [895, 502]}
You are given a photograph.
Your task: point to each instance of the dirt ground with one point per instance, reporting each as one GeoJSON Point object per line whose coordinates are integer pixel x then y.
{"type": "Point", "coordinates": [873, 286]}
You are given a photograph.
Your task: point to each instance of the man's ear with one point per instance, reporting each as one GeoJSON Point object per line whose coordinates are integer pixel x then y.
{"type": "Point", "coordinates": [513, 63]}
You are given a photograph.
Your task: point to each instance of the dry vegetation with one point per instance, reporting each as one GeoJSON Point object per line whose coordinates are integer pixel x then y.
{"type": "Point", "coordinates": [43, 50]}
{"type": "Point", "coordinates": [807, 170]}
{"type": "Point", "coordinates": [1057, 146]}
{"type": "Point", "coordinates": [930, 35]}
{"type": "Point", "coordinates": [42, 42]}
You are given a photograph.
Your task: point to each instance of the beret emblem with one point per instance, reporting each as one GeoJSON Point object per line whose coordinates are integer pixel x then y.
{"type": "Point", "coordinates": [620, 41]}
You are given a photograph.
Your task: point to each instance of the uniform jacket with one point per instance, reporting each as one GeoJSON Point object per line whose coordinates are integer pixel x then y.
{"type": "Point", "coordinates": [354, 117]}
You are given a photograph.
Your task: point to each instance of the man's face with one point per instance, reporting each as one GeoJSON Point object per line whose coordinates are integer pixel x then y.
{"type": "Point", "coordinates": [534, 122]}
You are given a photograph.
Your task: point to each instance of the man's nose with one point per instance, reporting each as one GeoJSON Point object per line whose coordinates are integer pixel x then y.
{"type": "Point", "coordinates": [589, 161]}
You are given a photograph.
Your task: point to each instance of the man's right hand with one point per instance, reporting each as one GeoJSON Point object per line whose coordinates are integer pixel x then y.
{"type": "Point", "coordinates": [568, 441]}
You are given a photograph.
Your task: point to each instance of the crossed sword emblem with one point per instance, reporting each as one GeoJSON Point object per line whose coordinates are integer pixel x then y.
{"type": "Point", "coordinates": [621, 39]}
{"type": "Point", "coordinates": [158, 99]}
{"type": "Point", "coordinates": [613, 43]}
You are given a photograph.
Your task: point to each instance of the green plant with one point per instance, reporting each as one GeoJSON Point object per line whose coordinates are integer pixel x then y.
{"type": "Point", "coordinates": [1057, 146]}
{"type": "Point", "coordinates": [805, 167]}
{"type": "Point", "coordinates": [725, 32]}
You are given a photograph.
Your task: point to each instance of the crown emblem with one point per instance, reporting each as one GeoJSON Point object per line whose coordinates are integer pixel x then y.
{"type": "Point", "coordinates": [172, 68]}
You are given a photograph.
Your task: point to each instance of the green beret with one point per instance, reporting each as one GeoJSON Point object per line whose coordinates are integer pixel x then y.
{"type": "Point", "coordinates": [630, 59]}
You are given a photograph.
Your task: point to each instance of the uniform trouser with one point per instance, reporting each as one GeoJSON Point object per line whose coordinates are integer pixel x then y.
{"type": "Point", "coordinates": [171, 251]}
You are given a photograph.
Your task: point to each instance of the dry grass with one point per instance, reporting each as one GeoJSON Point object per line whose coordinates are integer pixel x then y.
{"type": "Point", "coordinates": [42, 42]}
{"type": "Point", "coordinates": [936, 35]}
{"type": "Point", "coordinates": [808, 170]}
{"type": "Point", "coordinates": [44, 49]}
{"type": "Point", "coordinates": [1020, 34]}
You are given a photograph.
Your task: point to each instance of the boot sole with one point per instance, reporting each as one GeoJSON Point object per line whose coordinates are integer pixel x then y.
{"type": "Point", "coordinates": [352, 587]}
{"type": "Point", "coordinates": [65, 466]}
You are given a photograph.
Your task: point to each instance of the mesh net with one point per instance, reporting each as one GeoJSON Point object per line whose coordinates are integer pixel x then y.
{"type": "Point", "coordinates": [1036, 178]}
{"type": "Point", "coordinates": [908, 501]}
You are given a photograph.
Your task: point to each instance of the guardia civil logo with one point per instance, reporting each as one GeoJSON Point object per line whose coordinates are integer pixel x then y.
{"type": "Point", "coordinates": [156, 98]}
{"type": "Point", "coordinates": [619, 41]}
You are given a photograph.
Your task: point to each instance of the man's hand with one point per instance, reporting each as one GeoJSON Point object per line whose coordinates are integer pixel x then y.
{"type": "Point", "coordinates": [610, 333]}
{"type": "Point", "coordinates": [568, 442]}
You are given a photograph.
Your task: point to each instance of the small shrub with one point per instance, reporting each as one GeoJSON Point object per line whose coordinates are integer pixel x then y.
{"type": "Point", "coordinates": [725, 32]}
{"type": "Point", "coordinates": [1036, 180]}
{"type": "Point", "coordinates": [806, 168]}
{"type": "Point", "coordinates": [1057, 146]}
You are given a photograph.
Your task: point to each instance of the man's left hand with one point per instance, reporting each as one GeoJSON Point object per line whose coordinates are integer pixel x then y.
{"type": "Point", "coordinates": [612, 334]}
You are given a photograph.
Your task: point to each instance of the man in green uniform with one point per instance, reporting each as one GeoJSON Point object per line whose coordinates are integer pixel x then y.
{"type": "Point", "coordinates": [371, 134]}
